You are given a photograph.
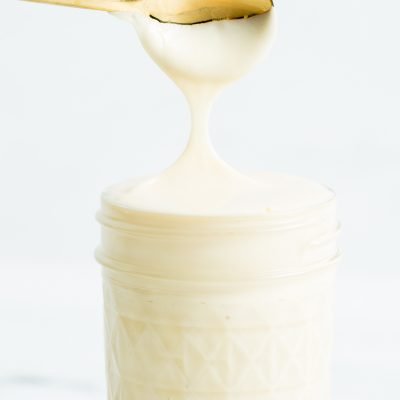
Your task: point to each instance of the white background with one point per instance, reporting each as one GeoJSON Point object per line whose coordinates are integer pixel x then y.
{"type": "Point", "coordinates": [81, 107]}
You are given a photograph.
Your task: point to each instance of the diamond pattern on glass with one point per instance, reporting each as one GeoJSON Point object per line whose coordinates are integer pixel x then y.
{"type": "Point", "coordinates": [270, 344]}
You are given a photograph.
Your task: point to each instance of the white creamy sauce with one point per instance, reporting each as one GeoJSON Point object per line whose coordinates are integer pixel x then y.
{"type": "Point", "coordinates": [203, 307]}
{"type": "Point", "coordinates": [202, 59]}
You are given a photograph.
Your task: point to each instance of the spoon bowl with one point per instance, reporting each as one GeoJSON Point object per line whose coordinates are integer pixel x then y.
{"type": "Point", "coordinates": [233, 46]}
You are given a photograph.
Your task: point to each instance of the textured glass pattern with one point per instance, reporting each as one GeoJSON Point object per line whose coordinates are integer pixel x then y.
{"type": "Point", "coordinates": [269, 342]}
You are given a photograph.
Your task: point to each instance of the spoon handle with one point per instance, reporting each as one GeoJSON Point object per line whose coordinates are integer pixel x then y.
{"type": "Point", "coordinates": [102, 5]}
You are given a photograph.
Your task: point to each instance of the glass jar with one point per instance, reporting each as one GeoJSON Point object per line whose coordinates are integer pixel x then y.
{"type": "Point", "coordinates": [218, 307]}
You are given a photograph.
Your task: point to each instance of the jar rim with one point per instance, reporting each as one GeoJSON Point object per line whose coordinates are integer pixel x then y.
{"type": "Point", "coordinates": [118, 213]}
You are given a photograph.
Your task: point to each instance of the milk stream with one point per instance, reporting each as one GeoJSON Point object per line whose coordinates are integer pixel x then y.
{"type": "Point", "coordinates": [202, 59]}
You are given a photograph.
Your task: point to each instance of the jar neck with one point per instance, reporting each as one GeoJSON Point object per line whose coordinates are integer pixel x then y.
{"type": "Point", "coordinates": [218, 249]}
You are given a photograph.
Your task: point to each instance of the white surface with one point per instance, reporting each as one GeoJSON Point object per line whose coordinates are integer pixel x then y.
{"type": "Point", "coordinates": [79, 101]}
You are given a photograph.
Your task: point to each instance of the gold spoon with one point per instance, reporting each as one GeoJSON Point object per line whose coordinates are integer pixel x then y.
{"type": "Point", "coordinates": [176, 11]}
